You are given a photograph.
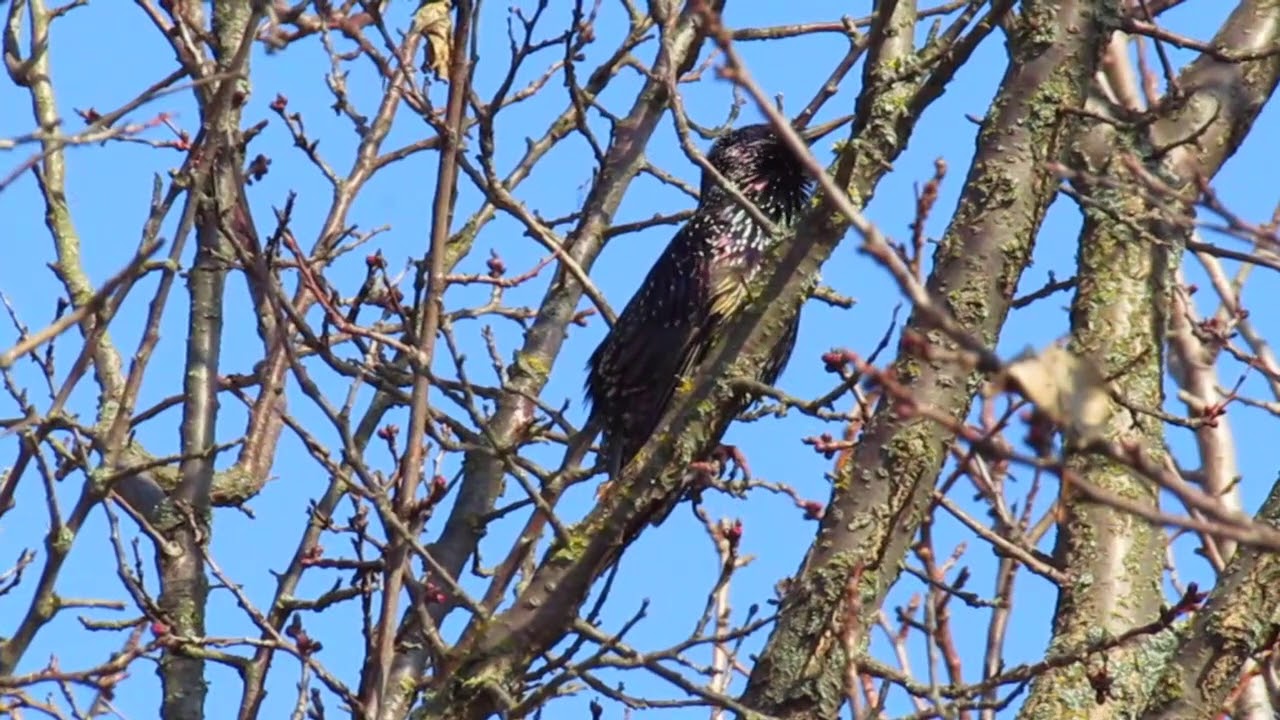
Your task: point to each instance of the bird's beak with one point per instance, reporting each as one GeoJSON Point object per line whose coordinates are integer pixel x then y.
{"type": "Point", "coordinates": [813, 134]}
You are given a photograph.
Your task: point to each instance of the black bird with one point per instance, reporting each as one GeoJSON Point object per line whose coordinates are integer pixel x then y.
{"type": "Point", "coordinates": [697, 286]}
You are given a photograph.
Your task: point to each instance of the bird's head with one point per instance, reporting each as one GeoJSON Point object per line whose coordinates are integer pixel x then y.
{"type": "Point", "coordinates": [761, 165]}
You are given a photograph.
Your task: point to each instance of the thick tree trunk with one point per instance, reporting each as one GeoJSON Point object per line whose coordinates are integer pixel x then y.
{"type": "Point", "coordinates": [882, 493]}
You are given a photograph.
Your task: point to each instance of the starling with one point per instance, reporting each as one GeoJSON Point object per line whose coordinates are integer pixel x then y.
{"type": "Point", "coordinates": [697, 286]}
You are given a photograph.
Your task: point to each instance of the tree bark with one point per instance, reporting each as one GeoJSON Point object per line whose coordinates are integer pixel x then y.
{"type": "Point", "coordinates": [880, 497]}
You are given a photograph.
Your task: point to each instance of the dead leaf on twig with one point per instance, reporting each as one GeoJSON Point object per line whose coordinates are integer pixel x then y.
{"type": "Point", "coordinates": [434, 22]}
{"type": "Point", "coordinates": [1065, 386]}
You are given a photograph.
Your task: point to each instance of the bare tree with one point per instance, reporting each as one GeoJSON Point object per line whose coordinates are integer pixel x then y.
{"type": "Point", "coordinates": [409, 379]}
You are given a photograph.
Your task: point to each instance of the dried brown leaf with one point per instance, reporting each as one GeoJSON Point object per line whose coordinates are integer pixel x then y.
{"type": "Point", "coordinates": [1067, 387]}
{"type": "Point", "coordinates": [435, 23]}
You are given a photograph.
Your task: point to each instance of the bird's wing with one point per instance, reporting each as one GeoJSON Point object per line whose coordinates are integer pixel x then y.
{"type": "Point", "coordinates": [738, 249]}
{"type": "Point", "coordinates": [658, 339]}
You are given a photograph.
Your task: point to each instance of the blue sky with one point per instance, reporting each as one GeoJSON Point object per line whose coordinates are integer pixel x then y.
{"type": "Point", "coordinates": [103, 54]}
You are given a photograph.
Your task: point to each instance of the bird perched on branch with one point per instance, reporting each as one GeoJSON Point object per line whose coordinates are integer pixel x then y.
{"type": "Point", "coordinates": [696, 287]}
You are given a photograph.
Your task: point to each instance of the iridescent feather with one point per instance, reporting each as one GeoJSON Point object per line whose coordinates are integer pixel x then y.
{"type": "Point", "coordinates": [697, 285]}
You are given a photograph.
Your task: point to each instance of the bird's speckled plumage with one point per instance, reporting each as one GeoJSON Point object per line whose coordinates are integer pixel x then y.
{"type": "Point", "coordinates": [696, 286]}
